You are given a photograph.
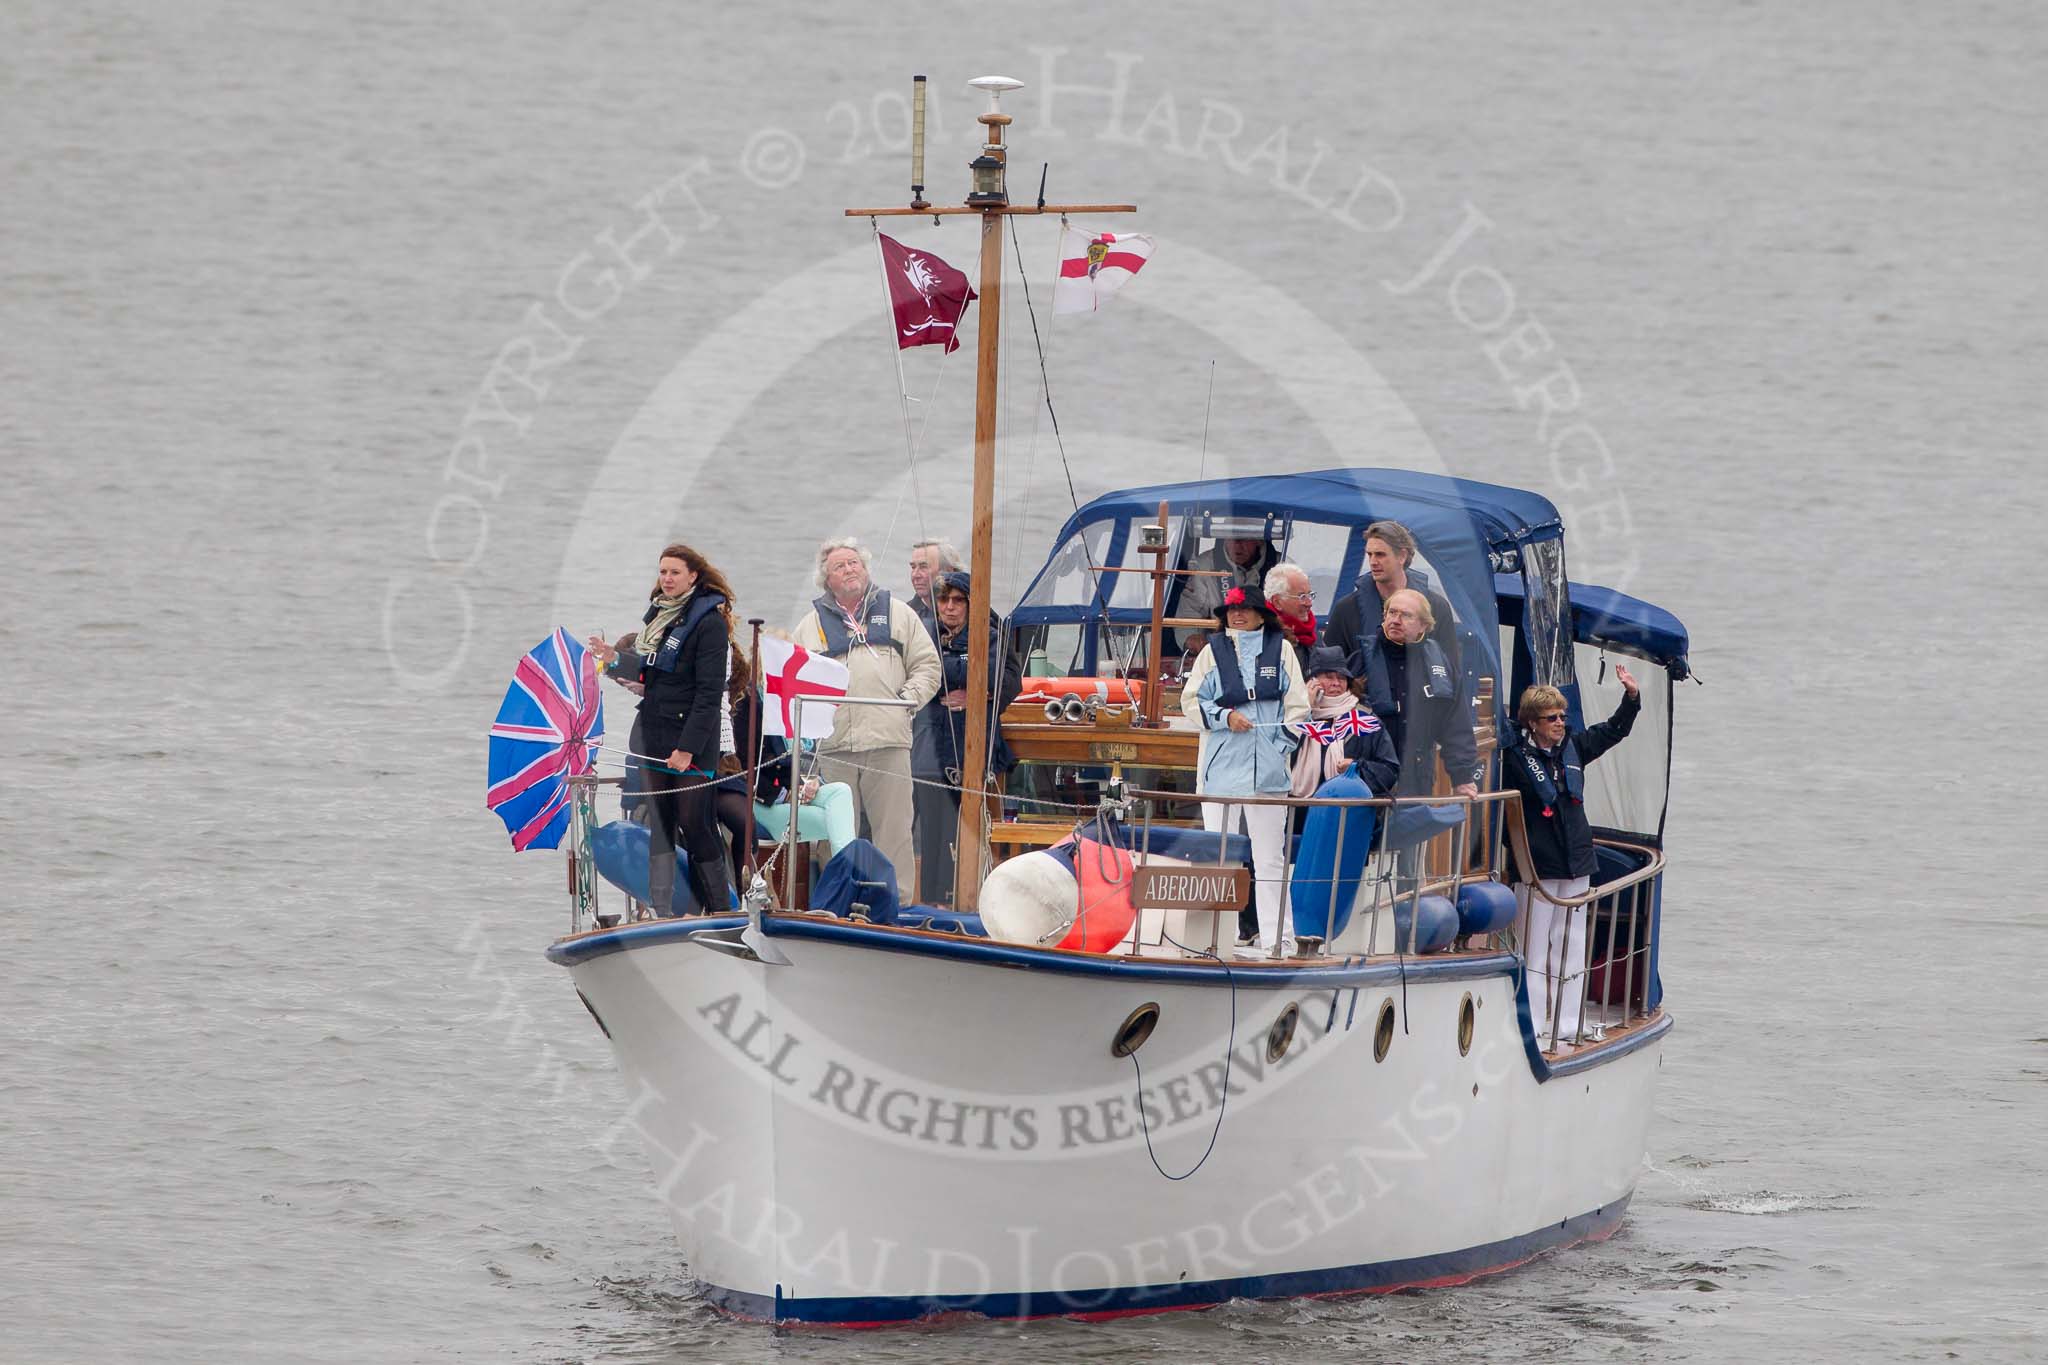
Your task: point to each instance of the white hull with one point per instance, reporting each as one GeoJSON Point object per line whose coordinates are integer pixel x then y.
{"type": "Point", "coordinates": [900, 1123]}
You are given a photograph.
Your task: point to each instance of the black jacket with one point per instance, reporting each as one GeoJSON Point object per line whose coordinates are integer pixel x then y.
{"type": "Point", "coordinates": [939, 736]}
{"type": "Point", "coordinates": [1433, 711]}
{"type": "Point", "coordinates": [685, 682]}
{"type": "Point", "coordinates": [1348, 628]}
{"type": "Point", "coordinates": [1561, 843]}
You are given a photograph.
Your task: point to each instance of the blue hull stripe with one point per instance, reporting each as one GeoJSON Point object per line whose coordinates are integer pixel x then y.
{"type": "Point", "coordinates": [1444, 1268]}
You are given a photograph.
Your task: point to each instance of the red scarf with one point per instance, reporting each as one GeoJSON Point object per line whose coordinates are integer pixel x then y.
{"type": "Point", "coordinates": [1302, 627]}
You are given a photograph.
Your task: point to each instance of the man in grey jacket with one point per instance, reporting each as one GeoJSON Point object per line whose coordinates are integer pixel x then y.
{"type": "Point", "coordinates": [887, 653]}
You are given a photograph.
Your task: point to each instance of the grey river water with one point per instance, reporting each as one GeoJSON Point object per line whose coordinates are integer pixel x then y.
{"type": "Point", "coordinates": [319, 325]}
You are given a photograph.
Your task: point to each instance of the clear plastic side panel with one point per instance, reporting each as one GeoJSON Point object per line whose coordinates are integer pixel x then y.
{"type": "Point", "coordinates": [1546, 613]}
{"type": "Point", "coordinates": [1626, 786]}
{"type": "Point", "coordinates": [1068, 580]}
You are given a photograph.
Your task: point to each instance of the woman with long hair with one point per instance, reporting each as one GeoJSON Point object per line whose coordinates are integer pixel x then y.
{"type": "Point", "coordinates": [681, 662]}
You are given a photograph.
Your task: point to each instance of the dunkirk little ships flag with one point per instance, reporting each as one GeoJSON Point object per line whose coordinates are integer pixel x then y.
{"type": "Point", "coordinates": [1094, 265]}
{"type": "Point", "coordinates": [927, 295]}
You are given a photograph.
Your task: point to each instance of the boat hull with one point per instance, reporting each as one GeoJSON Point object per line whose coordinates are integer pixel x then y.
{"type": "Point", "coordinates": [896, 1125]}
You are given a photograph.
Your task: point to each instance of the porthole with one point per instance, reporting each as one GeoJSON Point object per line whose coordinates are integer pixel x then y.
{"type": "Point", "coordinates": [1465, 1025]}
{"type": "Point", "coordinates": [1282, 1033]}
{"type": "Point", "coordinates": [1383, 1031]}
{"type": "Point", "coordinates": [1135, 1029]}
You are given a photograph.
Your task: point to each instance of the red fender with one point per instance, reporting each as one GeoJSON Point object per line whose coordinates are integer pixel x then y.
{"type": "Point", "coordinates": [1105, 911]}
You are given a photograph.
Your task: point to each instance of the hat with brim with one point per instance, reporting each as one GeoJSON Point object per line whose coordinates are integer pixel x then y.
{"type": "Point", "coordinates": [1327, 659]}
{"type": "Point", "coordinates": [1241, 597]}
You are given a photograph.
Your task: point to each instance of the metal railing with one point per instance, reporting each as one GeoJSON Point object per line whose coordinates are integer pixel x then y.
{"type": "Point", "coordinates": [1403, 877]}
{"type": "Point", "coordinates": [1625, 909]}
{"type": "Point", "coordinates": [1619, 914]}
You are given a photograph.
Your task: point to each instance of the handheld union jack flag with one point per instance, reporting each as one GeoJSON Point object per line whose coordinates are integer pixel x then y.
{"type": "Point", "coordinates": [1358, 722]}
{"type": "Point", "coordinates": [547, 730]}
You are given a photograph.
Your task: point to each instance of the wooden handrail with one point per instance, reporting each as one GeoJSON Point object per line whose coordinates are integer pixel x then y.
{"type": "Point", "coordinates": [1518, 839]}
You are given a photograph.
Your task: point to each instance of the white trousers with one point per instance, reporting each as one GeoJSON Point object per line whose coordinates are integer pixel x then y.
{"type": "Point", "coordinates": [1267, 826]}
{"type": "Point", "coordinates": [1554, 952]}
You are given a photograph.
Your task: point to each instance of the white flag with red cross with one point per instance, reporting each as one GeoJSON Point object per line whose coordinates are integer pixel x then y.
{"type": "Point", "coordinates": [1094, 265]}
{"type": "Point", "coordinates": [790, 671]}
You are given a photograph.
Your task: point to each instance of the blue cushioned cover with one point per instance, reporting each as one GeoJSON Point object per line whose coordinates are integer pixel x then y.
{"type": "Point", "coordinates": [1190, 845]}
{"type": "Point", "coordinates": [621, 852]}
{"type": "Point", "coordinates": [860, 873]}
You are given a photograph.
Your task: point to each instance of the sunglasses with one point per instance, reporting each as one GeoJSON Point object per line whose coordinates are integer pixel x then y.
{"type": "Point", "coordinates": [1556, 715]}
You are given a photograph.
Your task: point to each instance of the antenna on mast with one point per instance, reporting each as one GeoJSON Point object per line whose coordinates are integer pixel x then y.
{"type": "Point", "coordinates": [989, 190]}
{"type": "Point", "coordinates": [917, 199]}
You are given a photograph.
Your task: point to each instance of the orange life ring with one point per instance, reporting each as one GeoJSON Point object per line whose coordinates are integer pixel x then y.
{"type": "Point", "coordinates": [1110, 691]}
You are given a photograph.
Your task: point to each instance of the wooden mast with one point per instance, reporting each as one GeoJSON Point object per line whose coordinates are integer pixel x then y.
{"type": "Point", "coordinates": [981, 559]}
{"type": "Point", "coordinates": [989, 199]}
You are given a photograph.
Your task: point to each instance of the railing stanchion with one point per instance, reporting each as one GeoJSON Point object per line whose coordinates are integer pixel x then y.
{"type": "Point", "coordinates": [1329, 890]}
{"type": "Point", "coordinates": [1651, 886]}
{"type": "Point", "coordinates": [1461, 844]}
{"type": "Point", "coordinates": [1628, 980]}
{"type": "Point", "coordinates": [796, 804]}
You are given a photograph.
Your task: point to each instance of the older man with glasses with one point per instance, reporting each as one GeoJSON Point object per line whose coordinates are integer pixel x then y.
{"type": "Point", "coordinates": [1294, 602]}
{"type": "Point", "coordinates": [1546, 762]}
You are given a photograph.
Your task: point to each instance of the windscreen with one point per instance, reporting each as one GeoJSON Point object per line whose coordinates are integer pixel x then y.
{"type": "Point", "coordinates": [1546, 613]}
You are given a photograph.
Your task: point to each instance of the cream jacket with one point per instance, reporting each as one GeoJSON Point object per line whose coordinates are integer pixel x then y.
{"type": "Point", "coordinates": [911, 673]}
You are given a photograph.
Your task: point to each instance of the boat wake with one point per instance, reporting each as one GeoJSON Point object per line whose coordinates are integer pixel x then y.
{"type": "Point", "coordinates": [1770, 1203]}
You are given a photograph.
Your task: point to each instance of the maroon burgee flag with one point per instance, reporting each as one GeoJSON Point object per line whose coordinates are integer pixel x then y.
{"type": "Point", "coordinates": [928, 295]}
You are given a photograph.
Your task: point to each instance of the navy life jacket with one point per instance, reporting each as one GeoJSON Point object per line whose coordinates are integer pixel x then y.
{"type": "Point", "coordinates": [832, 624]}
{"type": "Point", "coordinates": [1539, 774]}
{"type": "Point", "coordinates": [1271, 683]}
{"type": "Point", "coordinates": [666, 657]}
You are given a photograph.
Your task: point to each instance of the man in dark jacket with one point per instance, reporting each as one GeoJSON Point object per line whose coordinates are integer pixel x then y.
{"type": "Point", "coordinates": [1411, 686]}
{"type": "Point", "coordinates": [1545, 761]}
{"type": "Point", "coordinates": [1389, 567]}
{"type": "Point", "coordinates": [939, 742]}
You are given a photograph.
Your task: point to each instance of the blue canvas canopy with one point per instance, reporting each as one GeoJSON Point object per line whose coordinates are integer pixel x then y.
{"type": "Point", "coordinates": [1613, 620]}
{"type": "Point", "coordinates": [1464, 529]}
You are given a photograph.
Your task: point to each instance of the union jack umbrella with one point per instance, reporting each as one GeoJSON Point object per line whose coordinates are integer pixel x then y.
{"type": "Point", "coordinates": [547, 730]}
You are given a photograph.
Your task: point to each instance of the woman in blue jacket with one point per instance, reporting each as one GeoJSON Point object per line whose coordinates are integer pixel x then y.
{"type": "Point", "coordinates": [1245, 694]}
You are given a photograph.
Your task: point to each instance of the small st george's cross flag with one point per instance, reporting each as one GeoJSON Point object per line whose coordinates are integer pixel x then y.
{"type": "Point", "coordinates": [1094, 265]}
{"type": "Point", "coordinates": [790, 671]}
{"type": "Point", "coordinates": [928, 296]}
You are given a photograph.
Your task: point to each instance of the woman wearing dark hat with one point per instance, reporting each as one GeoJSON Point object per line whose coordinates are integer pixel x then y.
{"type": "Point", "coordinates": [938, 744]}
{"type": "Point", "coordinates": [1245, 694]}
{"type": "Point", "coordinates": [1341, 731]}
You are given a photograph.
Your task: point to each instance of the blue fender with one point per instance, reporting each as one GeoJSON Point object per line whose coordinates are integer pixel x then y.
{"type": "Point", "coordinates": [1436, 924]}
{"type": "Point", "coordinates": [1485, 908]}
